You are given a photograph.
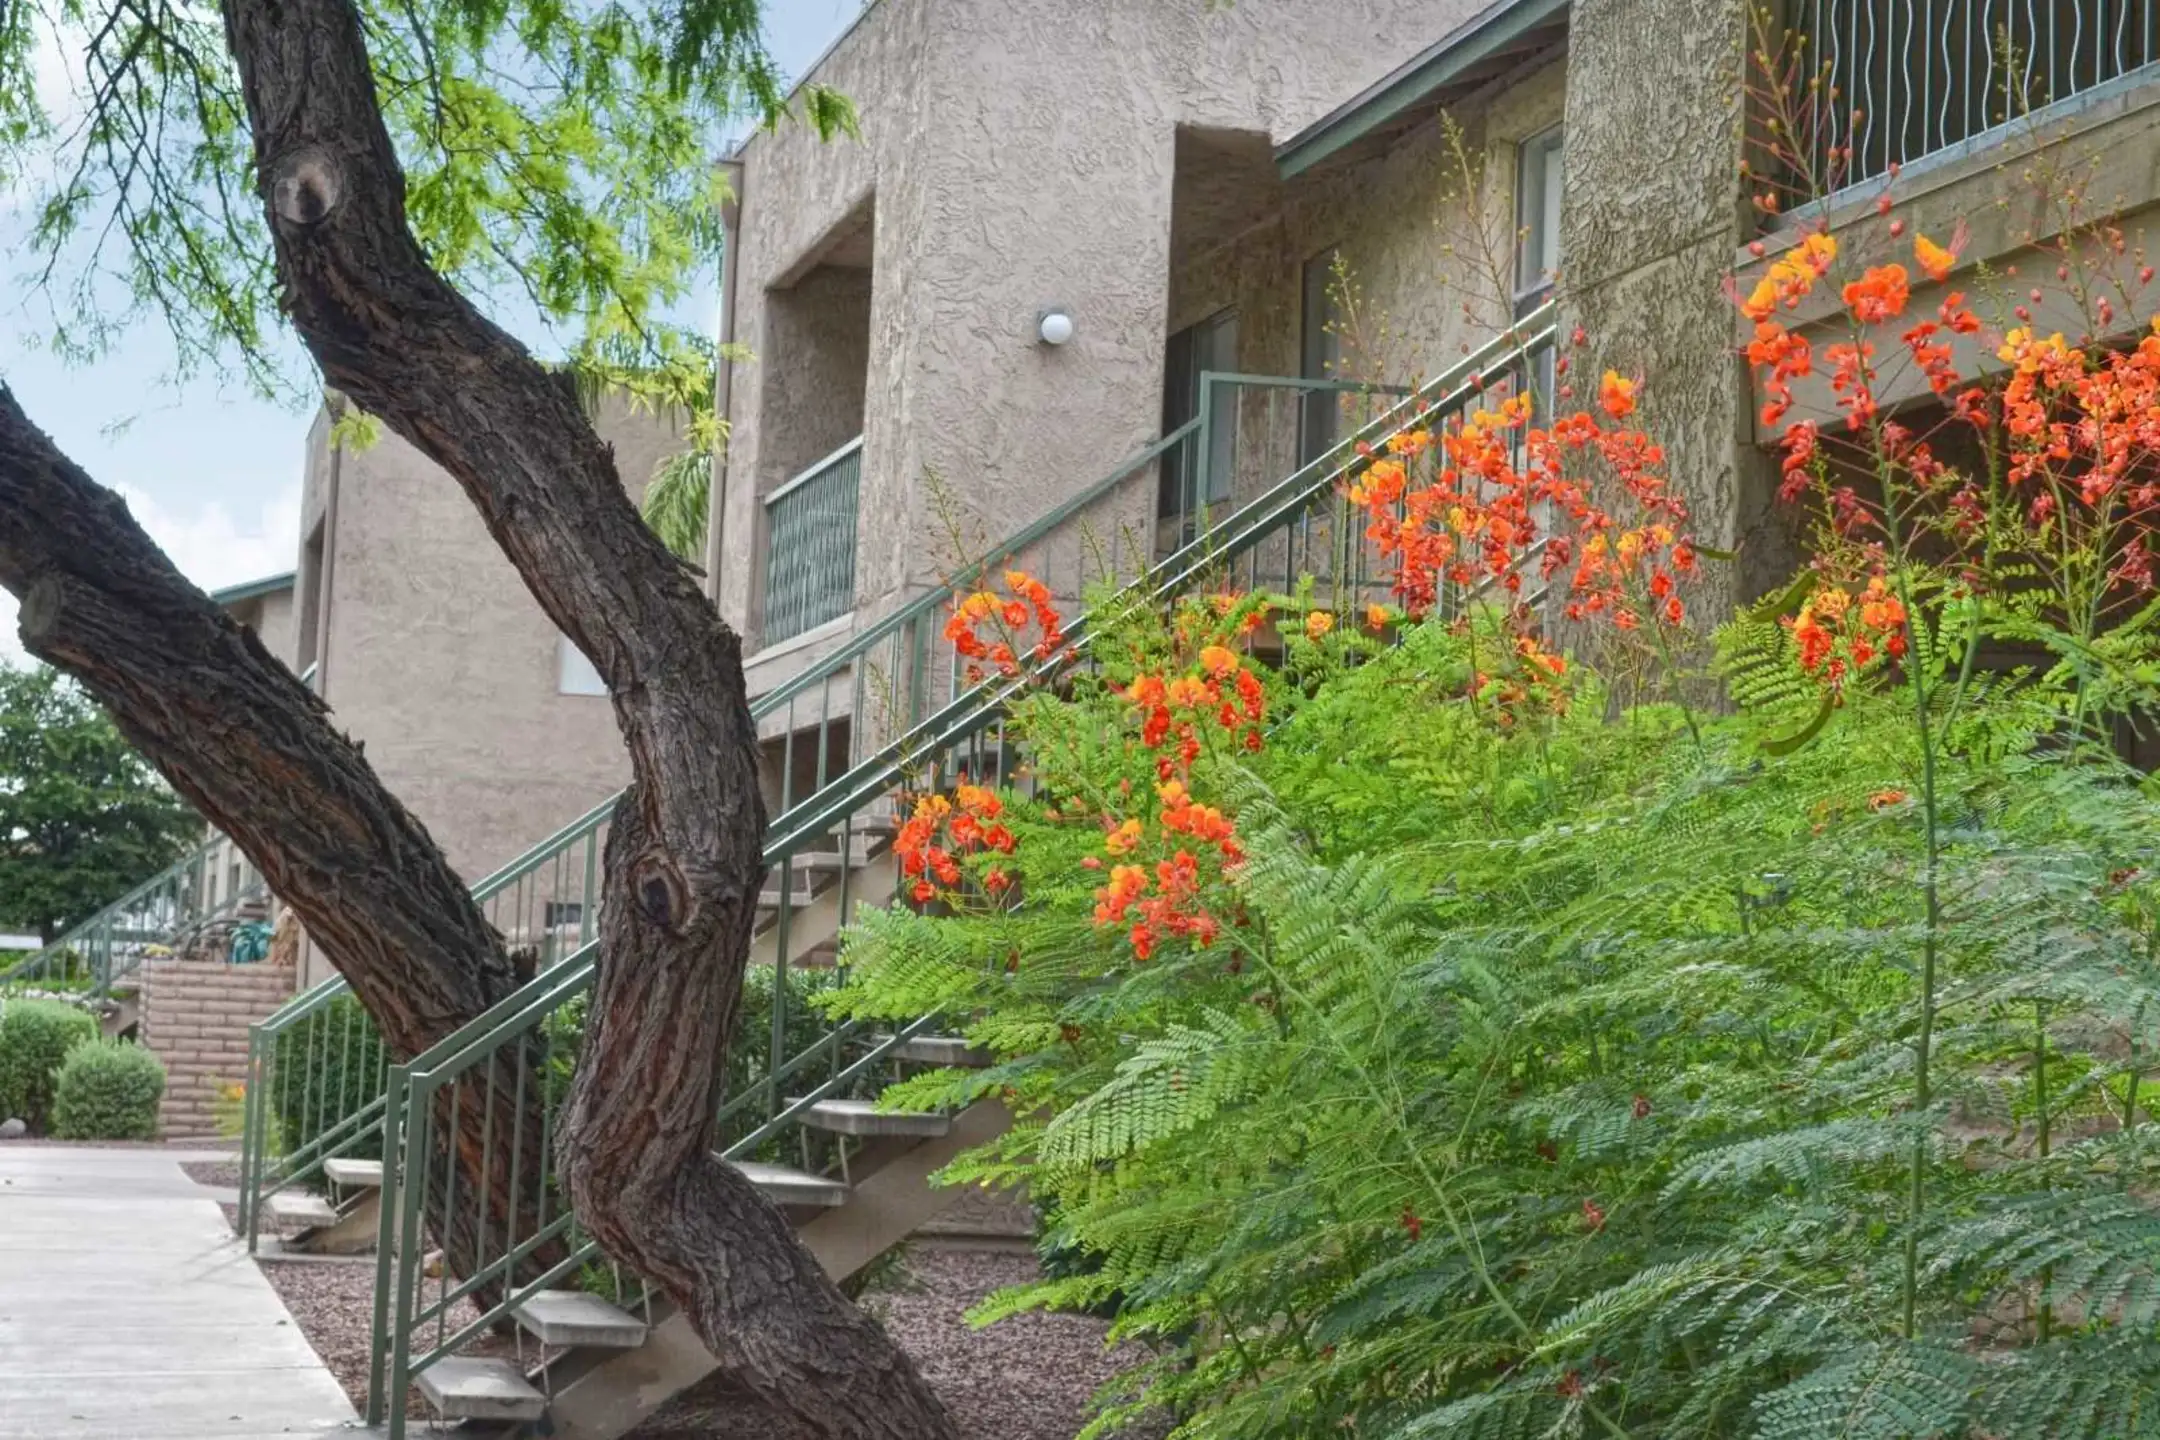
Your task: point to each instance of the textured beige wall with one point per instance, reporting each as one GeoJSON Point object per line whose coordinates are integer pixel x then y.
{"type": "Point", "coordinates": [441, 663]}
{"type": "Point", "coordinates": [1655, 213]}
{"type": "Point", "coordinates": [271, 617]}
{"type": "Point", "coordinates": [1017, 157]}
{"type": "Point", "coordinates": [1425, 232]}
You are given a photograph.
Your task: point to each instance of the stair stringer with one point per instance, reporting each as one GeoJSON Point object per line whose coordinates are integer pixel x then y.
{"type": "Point", "coordinates": [611, 1396]}
{"type": "Point", "coordinates": [818, 921]}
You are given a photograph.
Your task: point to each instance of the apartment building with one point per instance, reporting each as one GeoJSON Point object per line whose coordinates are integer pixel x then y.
{"type": "Point", "coordinates": [1053, 226]}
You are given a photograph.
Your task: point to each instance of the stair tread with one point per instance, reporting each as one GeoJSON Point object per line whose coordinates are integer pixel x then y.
{"type": "Point", "coordinates": [790, 1186]}
{"type": "Point", "coordinates": [572, 1317]}
{"type": "Point", "coordinates": [952, 1050]}
{"type": "Point", "coordinates": [862, 1117]}
{"type": "Point", "coordinates": [292, 1207]}
{"type": "Point", "coordinates": [356, 1173]}
{"type": "Point", "coordinates": [460, 1388]}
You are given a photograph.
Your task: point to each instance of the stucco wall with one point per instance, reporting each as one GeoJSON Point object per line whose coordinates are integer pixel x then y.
{"type": "Point", "coordinates": [441, 663]}
{"type": "Point", "coordinates": [1425, 234]}
{"type": "Point", "coordinates": [271, 617]}
{"type": "Point", "coordinates": [1019, 156]}
{"type": "Point", "coordinates": [1655, 212]}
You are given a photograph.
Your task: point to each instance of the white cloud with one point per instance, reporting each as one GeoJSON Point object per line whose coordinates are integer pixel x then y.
{"type": "Point", "coordinates": [213, 547]}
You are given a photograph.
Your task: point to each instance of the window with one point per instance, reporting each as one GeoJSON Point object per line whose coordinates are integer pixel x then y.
{"type": "Point", "coordinates": [1319, 358]}
{"type": "Point", "coordinates": [1192, 352]}
{"type": "Point", "coordinates": [574, 673]}
{"type": "Point", "coordinates": [1537, 219]}
{"type": "Point", "coordinates": [562, 914]}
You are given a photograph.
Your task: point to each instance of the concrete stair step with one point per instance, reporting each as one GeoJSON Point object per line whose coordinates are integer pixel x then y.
{"type": "Point", "coordinates": [458, 1388]}
{"type": "Point", "coordinates": [862, 1117]}
{"type": "Point", "coordinates": [354, 1174]}
{"type": "Point", "coordinates": [569, 1318]}
{"type": "Point", "coordinates": [832, 862]}
{"type": "Point", "coordinates": [787, 1186]}
{"type": "Point", "coordinates": [948, 1050]}
{"type": "Point", "coordinates": [798, 894]}
{"type": "Point", "coordinates": [291, 1210]}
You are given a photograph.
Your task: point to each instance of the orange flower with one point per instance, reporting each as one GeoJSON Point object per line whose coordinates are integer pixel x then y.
{"type": "Point", "coordinates": [1616, 396]}
{"type": "Point", "coordinates": [1878, 295]}
{"type": "Point", "coordinates": [1884, 799]}
{"type": "Point", "coordinates": [1376, 617]}
{"type": "Point", "coordinates": [1318, 624]}
{"type": "Point", "coordinates": [1122, 840]}
{"type": "Point", "coordinates": [1933, 258]}
{"type": "Point", "coordinates": [1218, 660]}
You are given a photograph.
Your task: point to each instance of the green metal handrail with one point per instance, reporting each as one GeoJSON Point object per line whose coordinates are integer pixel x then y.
{"type": "Point", "coordinates": [110, 945]}
{"type": "Point", "coordinates": [885, 675]}
{"type": "Point", "coordinates": [966, 730]}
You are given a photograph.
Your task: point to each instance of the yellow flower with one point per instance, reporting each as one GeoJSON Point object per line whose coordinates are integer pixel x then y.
{"type": "Point", "coordinates": [1318, 624]}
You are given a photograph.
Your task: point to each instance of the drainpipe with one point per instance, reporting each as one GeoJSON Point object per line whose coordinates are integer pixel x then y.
{"type": "Point", "coordinates": [731, 170]}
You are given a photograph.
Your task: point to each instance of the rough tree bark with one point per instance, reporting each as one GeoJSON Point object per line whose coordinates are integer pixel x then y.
{"type": "Point", "coordinates": [251, 748]}
{"type": "Point", "coordinates": [683, 863]}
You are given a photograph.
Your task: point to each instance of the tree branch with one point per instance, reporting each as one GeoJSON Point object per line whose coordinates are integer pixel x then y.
{"type": "Point", "coordinates": [683, 858]}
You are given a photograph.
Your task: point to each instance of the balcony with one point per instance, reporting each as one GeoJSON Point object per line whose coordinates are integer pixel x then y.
{"type": "Point", "coordinates": [1907, 79]}
{"type": "Point", "coordinates": [810, 547]}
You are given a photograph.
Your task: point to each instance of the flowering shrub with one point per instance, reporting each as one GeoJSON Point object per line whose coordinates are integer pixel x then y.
{"type": "Point", "coordinates": [1417, 1040]}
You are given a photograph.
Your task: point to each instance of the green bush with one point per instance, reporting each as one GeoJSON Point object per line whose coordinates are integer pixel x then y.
{"type": "Point", "coordinates": [325, 1068]}
{"type": "Point", "coordinates": [35, 1036]}
{"type": "Point", "coordinates": [108, 1090]}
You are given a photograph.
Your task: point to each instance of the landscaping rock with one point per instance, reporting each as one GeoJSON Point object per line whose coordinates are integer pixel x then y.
{"type": "Point", "coordinates": [13, 1129]}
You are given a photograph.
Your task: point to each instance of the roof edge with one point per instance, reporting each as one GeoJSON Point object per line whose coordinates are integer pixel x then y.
{"type": "Point", "coordinates": [1477, 38]}
{"type": "Point", "coordinates": [249, 589]}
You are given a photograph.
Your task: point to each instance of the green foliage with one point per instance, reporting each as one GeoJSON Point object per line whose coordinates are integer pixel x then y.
{"type": "Point", "coordinates": [83, 819]}
{"type": "Point", "coordinates": [1554, 1076]}
{"type": "Point", "coordinates": [676, 501]}
{"type": "Point", "coordinates": [35, 1037]}
{"type": "Point", "coordinates": [108, 1090]}
{"type": "Point", "coordinates": [556, 158]}
{"type": "Point", "coordinates": [323, 1068]}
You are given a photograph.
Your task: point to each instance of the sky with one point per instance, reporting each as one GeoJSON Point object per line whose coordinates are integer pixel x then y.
{"type": "Point", "coordinates": [212, 472]}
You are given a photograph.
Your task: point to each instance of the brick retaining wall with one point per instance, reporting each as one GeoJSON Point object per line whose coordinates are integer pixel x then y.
{"type": "Point", "coordinates": [195, 1017]}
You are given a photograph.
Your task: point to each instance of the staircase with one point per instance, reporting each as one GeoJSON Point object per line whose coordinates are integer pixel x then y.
{"type": "Point", "coordinates": [593, 1351]}
{"type": "Point", "coordinates": [96, 962]}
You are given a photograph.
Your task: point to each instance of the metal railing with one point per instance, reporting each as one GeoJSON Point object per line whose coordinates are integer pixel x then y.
{"type": "Point", "coordinates": [512, 1064]}
{"type": "Point", "coordinates": [1904, 79]}
{"type": "Point", "coordinates": [879, 683]}
{"type": "Point", "coordinates": [300, 1111]}
{"type": "Point", "coordinates": [207, 884]}
{"type": "Point", "coordinates": [810, 535]}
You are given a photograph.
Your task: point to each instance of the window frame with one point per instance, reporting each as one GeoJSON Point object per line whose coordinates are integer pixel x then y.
{"type": "Point", "coordinates": [1540, 195]}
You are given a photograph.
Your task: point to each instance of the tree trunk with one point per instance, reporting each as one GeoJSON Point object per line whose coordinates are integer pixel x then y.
{"type": "Point", "coordinates": [683, 860]}
{"type": "Point", "coordinates": [250, 747]}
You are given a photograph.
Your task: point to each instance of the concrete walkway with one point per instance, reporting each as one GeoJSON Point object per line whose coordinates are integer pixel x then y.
{"type": "Point", "coordinates": [129, 1312]}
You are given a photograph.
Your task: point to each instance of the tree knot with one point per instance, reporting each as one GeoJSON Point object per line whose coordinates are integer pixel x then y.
{"type": "Point", "coordinates": [305, 186]}
{"type": "Point", "coordinates": [662, 896]}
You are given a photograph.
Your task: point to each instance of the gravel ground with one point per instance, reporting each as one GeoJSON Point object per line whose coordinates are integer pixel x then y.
{"type": "Point", "coordinates": [1028, 1378]}
{"type": "Point", "coordinates": [333, 1302]}
{"type": "Point", "coordinates": [222, 1174]}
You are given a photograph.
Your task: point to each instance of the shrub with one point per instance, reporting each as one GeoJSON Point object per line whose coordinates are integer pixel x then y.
{"type": "Point", "coordinates": [35, 1036]}
{"type": "Point", "coordinates": [108, 1090]}
{"type": "Point", "coordinates": [325, 1067]}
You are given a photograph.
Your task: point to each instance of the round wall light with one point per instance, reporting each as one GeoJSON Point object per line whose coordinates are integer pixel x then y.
{"type": "Point", "coordinates": [1055, 326]}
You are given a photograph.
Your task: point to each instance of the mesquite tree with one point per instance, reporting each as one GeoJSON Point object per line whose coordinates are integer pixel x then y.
{"type": "Point", "coordinates": [345, 187]}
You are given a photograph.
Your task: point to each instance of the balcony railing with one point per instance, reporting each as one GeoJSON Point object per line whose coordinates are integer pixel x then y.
{"type": "Point", "coordinates": [810, 546]}
{"type": "Point", "coordinates": [1904, 79]}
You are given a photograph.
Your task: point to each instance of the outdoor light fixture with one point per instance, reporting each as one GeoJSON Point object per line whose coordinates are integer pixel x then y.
{"type": "Point", "coordinates": [1055, 326]}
